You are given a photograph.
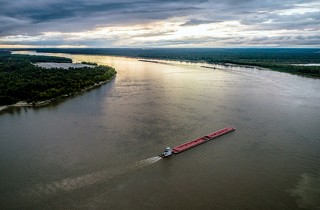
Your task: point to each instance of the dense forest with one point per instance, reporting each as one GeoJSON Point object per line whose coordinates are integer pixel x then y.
{"type": "Point", "coordinates": [20, 80]}
{"type": "Point", "coordinates": [277, 59]}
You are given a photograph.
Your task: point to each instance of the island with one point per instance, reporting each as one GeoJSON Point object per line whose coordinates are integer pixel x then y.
{"type": "Point", "coordinates": [28, 80]}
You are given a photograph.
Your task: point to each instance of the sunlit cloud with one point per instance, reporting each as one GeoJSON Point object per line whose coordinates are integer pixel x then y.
{"type": "Point", "coordinates": [301, 9]}
{"type": "Point", "coordinates": [154, 23]}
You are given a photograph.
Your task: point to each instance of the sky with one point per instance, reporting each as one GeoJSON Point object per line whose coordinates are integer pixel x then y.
{"type": "Point", "coordinates": [159, 23]}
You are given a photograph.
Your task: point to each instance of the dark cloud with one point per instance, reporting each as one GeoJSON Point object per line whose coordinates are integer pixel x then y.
{"type": "Point", "coordinates": [63, 42]}
{"type": "Point", "coordinates": [194, 22]}
{"type": "Point", "coordinates": [306, 21]}
{"type": "Point", "coordinates": [59, 14]}
{"type": "Point", "coordinates": [33, 17]}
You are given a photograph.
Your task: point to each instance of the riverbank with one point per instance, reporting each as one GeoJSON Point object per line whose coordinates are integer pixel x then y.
{"type": "Point", "coordinates": [24, 84]}
{"type": "Point", "coordinates": [274, 59]}
{"type": "Point", "coordinates": [214, 66]}
{"type": "Point", "coordinates": [56, 99]}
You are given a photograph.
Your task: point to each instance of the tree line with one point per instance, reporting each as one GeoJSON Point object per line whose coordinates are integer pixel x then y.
{"type": "Point", "coordinates": [277, 59]}
{"type": "Point", "coordinates": [20, 80]}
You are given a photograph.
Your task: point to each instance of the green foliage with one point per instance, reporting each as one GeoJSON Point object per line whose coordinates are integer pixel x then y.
{"type": "Point", "coordinates": [310, 71]}
{"type": "Point", "coordinates": [17, 58]}
{"type": "Point", "coordinates": [89, 63]}
{"type": "Point", "coordinates": [22, 81]}
{"type": "Point", "coordinates": [277, 59]}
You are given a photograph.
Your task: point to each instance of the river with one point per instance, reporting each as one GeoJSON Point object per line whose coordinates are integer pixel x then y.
{"type": "Point", "coordinates": [99, 150]}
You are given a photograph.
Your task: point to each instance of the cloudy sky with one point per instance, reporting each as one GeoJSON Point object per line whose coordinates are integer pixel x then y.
{"type": "Point", "coordinates": [159, 23]}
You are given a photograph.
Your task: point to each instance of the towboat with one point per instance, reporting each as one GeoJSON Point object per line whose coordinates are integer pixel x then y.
{"type": "Point", "coordinates": [166, 153]}
{"type": "Point", "coordinates": [188, 145]}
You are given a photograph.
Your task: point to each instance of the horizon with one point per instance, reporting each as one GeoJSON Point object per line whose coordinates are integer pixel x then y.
{"type": "Point", "coordinates": [158, 48]}
{"type": "Point", "coordinates": [160, 24]}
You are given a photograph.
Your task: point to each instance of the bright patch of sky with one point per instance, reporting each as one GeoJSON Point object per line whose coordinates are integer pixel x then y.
{"type": "Point", "coordinates": [155, 23]}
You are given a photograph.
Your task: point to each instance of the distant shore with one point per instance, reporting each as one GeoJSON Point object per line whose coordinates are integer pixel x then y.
{"type": "Point", "coordinates": [210, 67]}
{"type": "Point", "coordinates": [274, 59]}
{"type": "Point", "coordinates": [150, 61]}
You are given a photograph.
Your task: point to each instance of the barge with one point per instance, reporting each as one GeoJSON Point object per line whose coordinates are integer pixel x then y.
{"type": "Point", "coordinates": [188, 145]}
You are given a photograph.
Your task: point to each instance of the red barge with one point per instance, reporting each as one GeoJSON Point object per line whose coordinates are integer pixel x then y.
{"type": "Point", "coordinates": [188, 145]}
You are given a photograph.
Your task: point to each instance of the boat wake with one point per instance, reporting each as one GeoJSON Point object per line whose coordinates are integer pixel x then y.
{"type": "Point", "coordinates": [74, 183]}
{"type": "Point", "coordinates": [148, 161]}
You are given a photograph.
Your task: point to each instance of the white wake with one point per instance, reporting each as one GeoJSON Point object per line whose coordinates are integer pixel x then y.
{"type": "Point", "coordinates": [73, 183]}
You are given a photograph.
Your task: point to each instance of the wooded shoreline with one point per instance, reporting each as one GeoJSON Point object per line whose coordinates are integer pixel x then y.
{"type": "Point", "coordinates": [274, 59]}
{"type": "Point", "coordinates": [24, 84]}
{"type": "Point", "coordinates": [57, 99]}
